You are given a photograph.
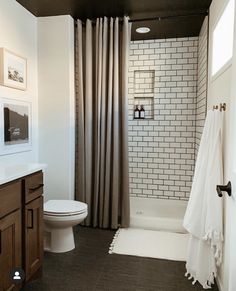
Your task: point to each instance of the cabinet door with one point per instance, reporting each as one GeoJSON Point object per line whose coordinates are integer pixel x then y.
{"type": "Point", "coordinates": [33, 236]}
{"type": "Point", "coordinates": [10, 248]}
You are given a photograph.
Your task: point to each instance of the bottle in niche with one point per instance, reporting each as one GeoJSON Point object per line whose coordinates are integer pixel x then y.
{"type": "Point", "coordinates": [136, 112]}
{"type": "Point", "coordinates": [142, 112]}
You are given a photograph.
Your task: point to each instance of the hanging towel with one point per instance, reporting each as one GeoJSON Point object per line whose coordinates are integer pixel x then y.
{"type": "Point", "coordinates": [204, 215]}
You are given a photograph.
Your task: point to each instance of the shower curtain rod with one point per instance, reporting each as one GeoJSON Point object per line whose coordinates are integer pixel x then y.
{"type": "Point", "coordinates": [159, 18]}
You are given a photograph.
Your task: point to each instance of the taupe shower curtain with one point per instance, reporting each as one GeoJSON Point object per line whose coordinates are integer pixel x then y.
{"type": "Point", "coordinates": [102, 178]}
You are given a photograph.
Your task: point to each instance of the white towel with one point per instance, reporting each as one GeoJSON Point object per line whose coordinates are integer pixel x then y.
{"type": "Point", "coordinates": [204, 215]}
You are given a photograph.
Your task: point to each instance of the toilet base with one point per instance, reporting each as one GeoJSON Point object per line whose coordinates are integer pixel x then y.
{"type": "Point", "coordinates": [59, 240]}
{"type": "Point", "coordinates": [59, 237]}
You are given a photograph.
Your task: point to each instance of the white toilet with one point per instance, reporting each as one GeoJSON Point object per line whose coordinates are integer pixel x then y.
{"type": "Point", "coordinates": [59, 218]}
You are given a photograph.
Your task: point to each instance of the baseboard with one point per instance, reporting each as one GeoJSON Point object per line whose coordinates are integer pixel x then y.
{"type": "Point", "coordinates": [219, 284]}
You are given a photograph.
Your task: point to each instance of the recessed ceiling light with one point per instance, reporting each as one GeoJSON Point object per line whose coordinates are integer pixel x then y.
{"type": "Point", "coordinates": [143, 29]}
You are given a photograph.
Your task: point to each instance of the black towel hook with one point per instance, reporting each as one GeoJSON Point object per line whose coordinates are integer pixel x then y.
{"type": "Point", "coordinates": [227, 188]}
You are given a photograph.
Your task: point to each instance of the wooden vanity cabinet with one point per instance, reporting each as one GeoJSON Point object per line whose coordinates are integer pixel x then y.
{"type": "Point", "coordinates": [10, 248]}
{"type": "Point", "coordinates": [21, 229]}
{"type": "Point", "coordinates": [33, 236]}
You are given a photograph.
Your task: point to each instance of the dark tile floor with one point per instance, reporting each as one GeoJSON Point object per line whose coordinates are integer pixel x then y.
{"type": "Point", "coordinates": [89, 267]}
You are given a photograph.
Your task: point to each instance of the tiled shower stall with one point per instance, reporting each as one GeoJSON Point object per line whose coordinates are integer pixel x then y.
{"type": "Point", "coordinates": [168, 77]}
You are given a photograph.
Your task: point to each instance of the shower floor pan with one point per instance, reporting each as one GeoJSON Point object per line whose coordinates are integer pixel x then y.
{"type": "Point", "coordinates": [157, 214]}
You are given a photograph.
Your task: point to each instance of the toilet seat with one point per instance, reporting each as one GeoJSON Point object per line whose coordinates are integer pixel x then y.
{"type": "Point", "coordinates": [64, 208]}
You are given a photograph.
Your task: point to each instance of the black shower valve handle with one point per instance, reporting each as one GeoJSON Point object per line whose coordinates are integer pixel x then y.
{"type": "Point", "coordinates": [227, 188]}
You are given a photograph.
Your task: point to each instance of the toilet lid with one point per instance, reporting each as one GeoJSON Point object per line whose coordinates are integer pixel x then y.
{"type": "Point", "coordinates": [64, 207]}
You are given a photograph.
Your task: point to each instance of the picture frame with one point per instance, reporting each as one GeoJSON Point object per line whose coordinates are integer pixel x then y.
{"type": "Point", "coordinates": [15, 126]}
{"type": "Point", "coordinates": [13, 70]}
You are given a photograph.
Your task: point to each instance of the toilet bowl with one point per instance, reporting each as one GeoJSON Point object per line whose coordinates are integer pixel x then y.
{"type": "Point", "coordinates": [59, 218]}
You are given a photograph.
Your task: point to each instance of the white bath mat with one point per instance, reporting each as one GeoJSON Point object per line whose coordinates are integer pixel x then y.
{"type": "Point", "coordinates": [150, 243]}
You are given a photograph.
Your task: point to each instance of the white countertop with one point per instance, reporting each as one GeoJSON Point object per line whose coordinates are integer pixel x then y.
{"type": "Point", "coordinates": [12, 172]}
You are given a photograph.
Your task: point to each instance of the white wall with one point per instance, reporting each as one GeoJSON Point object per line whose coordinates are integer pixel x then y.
{"type": "Point", "coordinates": [218, 92]}
{"type": "Point", "coordinates": [18, 33]}
{"type": "Point", "coordinates": [48, 41]}
{"type": "Point", "coordinates": [56, 104]}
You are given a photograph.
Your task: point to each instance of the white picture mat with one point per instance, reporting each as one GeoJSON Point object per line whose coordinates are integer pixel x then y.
{"type": "Point", "coordinates": [6, 149]}
{"type": "Point", "coordinates": [14, 62]}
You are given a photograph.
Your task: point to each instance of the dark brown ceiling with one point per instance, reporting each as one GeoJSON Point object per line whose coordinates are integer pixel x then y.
{"type": "Point", "coordinates": [136, 9]}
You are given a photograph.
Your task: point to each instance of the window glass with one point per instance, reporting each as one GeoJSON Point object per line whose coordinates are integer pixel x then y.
{"type": "Point", "coordinates": [223, 38]}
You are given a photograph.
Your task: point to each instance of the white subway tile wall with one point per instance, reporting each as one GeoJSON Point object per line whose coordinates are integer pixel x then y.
{"type": "Point", "coordinates": [202, 82]}
{"type": "Point", "coordinates": [162, 150]}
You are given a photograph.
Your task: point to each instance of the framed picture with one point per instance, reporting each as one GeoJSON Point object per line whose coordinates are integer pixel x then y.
{"type": "Point", "coordinates": [13, 70]}
{"type": "Point", "coordinates": [15, 126]}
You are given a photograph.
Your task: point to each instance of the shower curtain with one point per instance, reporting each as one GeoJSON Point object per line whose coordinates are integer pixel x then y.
{"type": "Point", "coordinates": [102, 178]}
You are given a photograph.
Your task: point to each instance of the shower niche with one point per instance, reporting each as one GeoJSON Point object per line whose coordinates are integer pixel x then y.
{"type": "Point", "coordinates": [144, 81]}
